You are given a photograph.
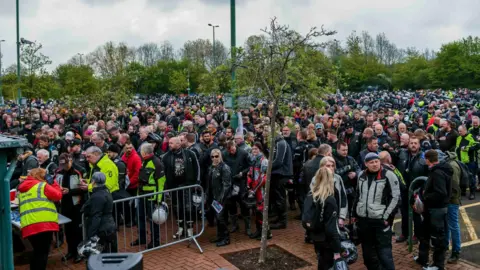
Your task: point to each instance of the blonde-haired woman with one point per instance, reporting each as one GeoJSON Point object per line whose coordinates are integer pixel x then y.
{"type": "Point", "coordinates": [219, 183]}
{"type": "Point", "coordinates": [340, 193]}
{"type": "Point", "coordinates": [326, 241]}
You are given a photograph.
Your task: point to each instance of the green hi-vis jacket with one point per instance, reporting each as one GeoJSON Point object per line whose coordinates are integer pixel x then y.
{"type": "Point", "coordinates": [148, 182]}
{"type": "Point", "coordinates": [463, 145]}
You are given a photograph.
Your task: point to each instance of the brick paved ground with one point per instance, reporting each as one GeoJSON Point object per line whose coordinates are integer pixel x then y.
{"type": "Point", "coordinates": [182, 257]}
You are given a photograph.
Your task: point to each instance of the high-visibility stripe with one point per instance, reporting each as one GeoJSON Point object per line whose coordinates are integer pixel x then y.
{"type": "Point", "coordinates": [38, 210]}
{"type": "Point", "coordinates": [34, 200]}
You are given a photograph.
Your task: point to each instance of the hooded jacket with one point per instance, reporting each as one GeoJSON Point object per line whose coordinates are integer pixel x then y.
{"type": "Point", "coordinates": [134, 163]}
{"type": "Point", "coordinates": [457, 172]}
{"type": "Point", "coordinates": [438, 188]}
{"type": "Point", "coordinates": [53, 192]}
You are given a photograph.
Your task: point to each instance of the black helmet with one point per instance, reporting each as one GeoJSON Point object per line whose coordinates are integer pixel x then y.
{"type": "Point", "coordinates": [349, 251]}
{"type": "Point", "coordinates": [154, 138]}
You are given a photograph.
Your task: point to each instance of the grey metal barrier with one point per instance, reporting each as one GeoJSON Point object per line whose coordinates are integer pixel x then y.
{"type": "Point", "coordinates": [152, 221]}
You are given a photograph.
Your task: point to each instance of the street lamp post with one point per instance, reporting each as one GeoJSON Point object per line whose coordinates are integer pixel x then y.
{"type": "Point", "coordinates": [1, 92]}
{"type": "Point", "coordinates": [214, 55]}
{"type": "Point", "coordinates": [234, 118]}
{"type": "Point", "coordinates": [81, 60]}
{"type": "Point", "coordinates": [19, 94]}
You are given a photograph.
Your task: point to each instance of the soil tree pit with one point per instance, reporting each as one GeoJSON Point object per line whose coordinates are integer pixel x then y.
{"type": "Point", "coordinates": [277, 259]}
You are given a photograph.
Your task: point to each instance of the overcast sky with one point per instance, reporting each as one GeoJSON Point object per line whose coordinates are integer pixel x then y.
{"type": "Point", "coordinates": [68, 27]}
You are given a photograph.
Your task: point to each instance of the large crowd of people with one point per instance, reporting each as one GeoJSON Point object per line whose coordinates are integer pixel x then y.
{"type": "Point", "coordinates": [354, 159]}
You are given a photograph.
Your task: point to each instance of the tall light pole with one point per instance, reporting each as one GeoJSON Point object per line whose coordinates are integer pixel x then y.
{"type": "Point", "coordinates": [234, 118]}
{"type": "Point", "coordinates": [214, 55]}
{"type": "Point", "coordinates": [1, 92]}
{"type": "Point", "coordinates": [19, 94]}
{"type": "Point", "coordinates": [81, 60]}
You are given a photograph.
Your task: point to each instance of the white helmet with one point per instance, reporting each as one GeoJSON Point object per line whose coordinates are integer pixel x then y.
{"type": "Point", "coordinates": [160, 215]}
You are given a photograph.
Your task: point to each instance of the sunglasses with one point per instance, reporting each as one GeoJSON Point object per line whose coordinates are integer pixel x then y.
{"type": "Point", "coordinates": [217, 156]}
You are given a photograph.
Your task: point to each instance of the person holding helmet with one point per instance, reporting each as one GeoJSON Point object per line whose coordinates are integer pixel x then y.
{"type": "Point", "coordinates": [38, 214]}
{"type": "Point", "coordinates": [98, 214]}
{"type": "Point", "coordinates": [156, 141]}
{"type": "Point", "coordinates": [73, 198]}
{"type": "Point", "coordinates": [151, 179]}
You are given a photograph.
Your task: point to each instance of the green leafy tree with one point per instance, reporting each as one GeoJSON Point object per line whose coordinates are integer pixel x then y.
{"type": "Point", "coordinates": [76, 83]}
{"type": "Point", "coordinates": [271, 69]}
{"type": "Point", "coordinates": [35, 63]}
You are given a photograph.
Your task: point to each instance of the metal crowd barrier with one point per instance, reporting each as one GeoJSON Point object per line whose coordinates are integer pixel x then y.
{"type": "Point", "coordinates": [130, 213]}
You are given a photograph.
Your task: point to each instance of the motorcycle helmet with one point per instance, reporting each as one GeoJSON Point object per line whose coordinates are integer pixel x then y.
{"type": "Point", "coordinates": [90, 247]}
{"type": "Point", "coordinates": [197, 199]}
{"type": "Point", "coordinates": [349, 251]}
{"type": "Point", "coordinates": [160, 215]}
{"type": "Point", "coordinates": [250, 200]}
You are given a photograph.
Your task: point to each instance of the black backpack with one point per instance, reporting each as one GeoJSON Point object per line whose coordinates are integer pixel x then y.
{"type": "Point", "coordinates": [465, 175]}
{"type": "Point", "coordinates": [312, 216]}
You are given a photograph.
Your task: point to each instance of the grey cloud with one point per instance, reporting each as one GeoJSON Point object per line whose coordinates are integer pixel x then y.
{"type": "Point", "coordinates": [101, 2]}
{"type": "Point", "coordinates": [27, 7]}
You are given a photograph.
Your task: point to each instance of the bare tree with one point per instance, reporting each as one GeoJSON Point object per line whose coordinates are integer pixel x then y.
{"type": "Point", "coordinates": [381, 46]}
{"type": "Point", "coordinates": [272, 68]}
{"type": "Point", "coordinates": [167, 53]}
{"type": "Point", "coordinates": [148, 54]}
{"type": "Point", "coordinates": [110, 59]}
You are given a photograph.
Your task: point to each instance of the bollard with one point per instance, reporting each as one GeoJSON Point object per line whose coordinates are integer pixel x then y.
{"type": "Point", "coordinates": [126, 261]}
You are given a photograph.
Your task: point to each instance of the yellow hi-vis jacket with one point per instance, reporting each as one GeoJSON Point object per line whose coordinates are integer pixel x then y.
{"type": "Point", "coordinates": [35, 207]}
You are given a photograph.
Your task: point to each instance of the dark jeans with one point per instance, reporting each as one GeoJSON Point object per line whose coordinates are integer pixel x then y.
{"type": "Point", "coordinates": [232, 206]}
{"type": "Point", "coordinates": [222, 229]}
{"type": "Point", "coordinates": [73, 231]}
{"type": "Point", "coordinates": [473, 169]}
{"type": "Point", "coordinates": [109, 242]}
{"type": "Point", "coordinates": [41, 247]}
{"type": "Point", "coordinates": [324, 255]}
{"type": "Point", "coordinates": [278, 197]}
{"type": "Point", "coordinates": [145, 209]}
{"type": "Point", "coordinates": [434, 227]}
{"type": "Point", "coordinates": [183, 200]}
{"type": "Point", "coordinates": [301, 195]}
{"type": "Point", "coordinates": [129, 207]}
{"type": "Point", "coordinates": [376, 239]}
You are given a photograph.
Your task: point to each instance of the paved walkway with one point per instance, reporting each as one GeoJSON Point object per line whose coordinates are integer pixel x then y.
{"type": "Point", "coordinates": [291, 239]}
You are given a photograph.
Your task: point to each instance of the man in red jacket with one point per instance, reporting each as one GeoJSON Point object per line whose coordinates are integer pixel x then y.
{"type": "Point", "coordinates": [134, 163]}
{"type": "Point", "coordinates": [38, 214]}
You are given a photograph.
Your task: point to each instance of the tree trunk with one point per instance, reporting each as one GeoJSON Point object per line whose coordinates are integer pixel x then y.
{"type": "Point", "coordinates": [263, 247]}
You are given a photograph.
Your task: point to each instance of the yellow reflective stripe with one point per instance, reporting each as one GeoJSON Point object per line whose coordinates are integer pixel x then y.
{"type": "Point", "coordinates": [38, 210]}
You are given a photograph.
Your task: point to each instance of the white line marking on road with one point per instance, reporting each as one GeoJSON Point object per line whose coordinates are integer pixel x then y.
{"type": "Point", "coordinates": [468, 224]}
{"type": "Point", "coordinates": [470, 243]}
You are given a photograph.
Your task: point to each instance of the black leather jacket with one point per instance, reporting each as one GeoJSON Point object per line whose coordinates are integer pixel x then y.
{"type": "Point", "coordinates": [410, 166]}
{"type": "Point", "coordinates": [219, 182]}
{"type": "Point", "coordinates": [98, 213]}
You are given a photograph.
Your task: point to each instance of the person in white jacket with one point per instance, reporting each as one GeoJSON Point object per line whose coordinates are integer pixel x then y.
{"type": "Point", "coordinates": [340, 194]}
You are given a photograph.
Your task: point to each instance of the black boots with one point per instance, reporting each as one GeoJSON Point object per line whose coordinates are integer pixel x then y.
{"type": "Point", "coordinates": [233, 220]}
{"type": "Point", "coordinates": [248, 225]}
{"type": "Point", "coordinates": [258, 233]}
{"type": "Point", "coordinates": [223, 242]}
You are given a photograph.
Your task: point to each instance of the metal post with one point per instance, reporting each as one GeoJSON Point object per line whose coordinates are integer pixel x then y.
{"type": "Point", "coordinates": [1, 56]}
{"type": "Point", "coordinates": [214, 55]}
{"type": "Point", "coordinates": [19, 91]}
{"type": "Point", "coordinates": [410, 210]}
{"type": "Point", "coordinates": [234, 118]}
